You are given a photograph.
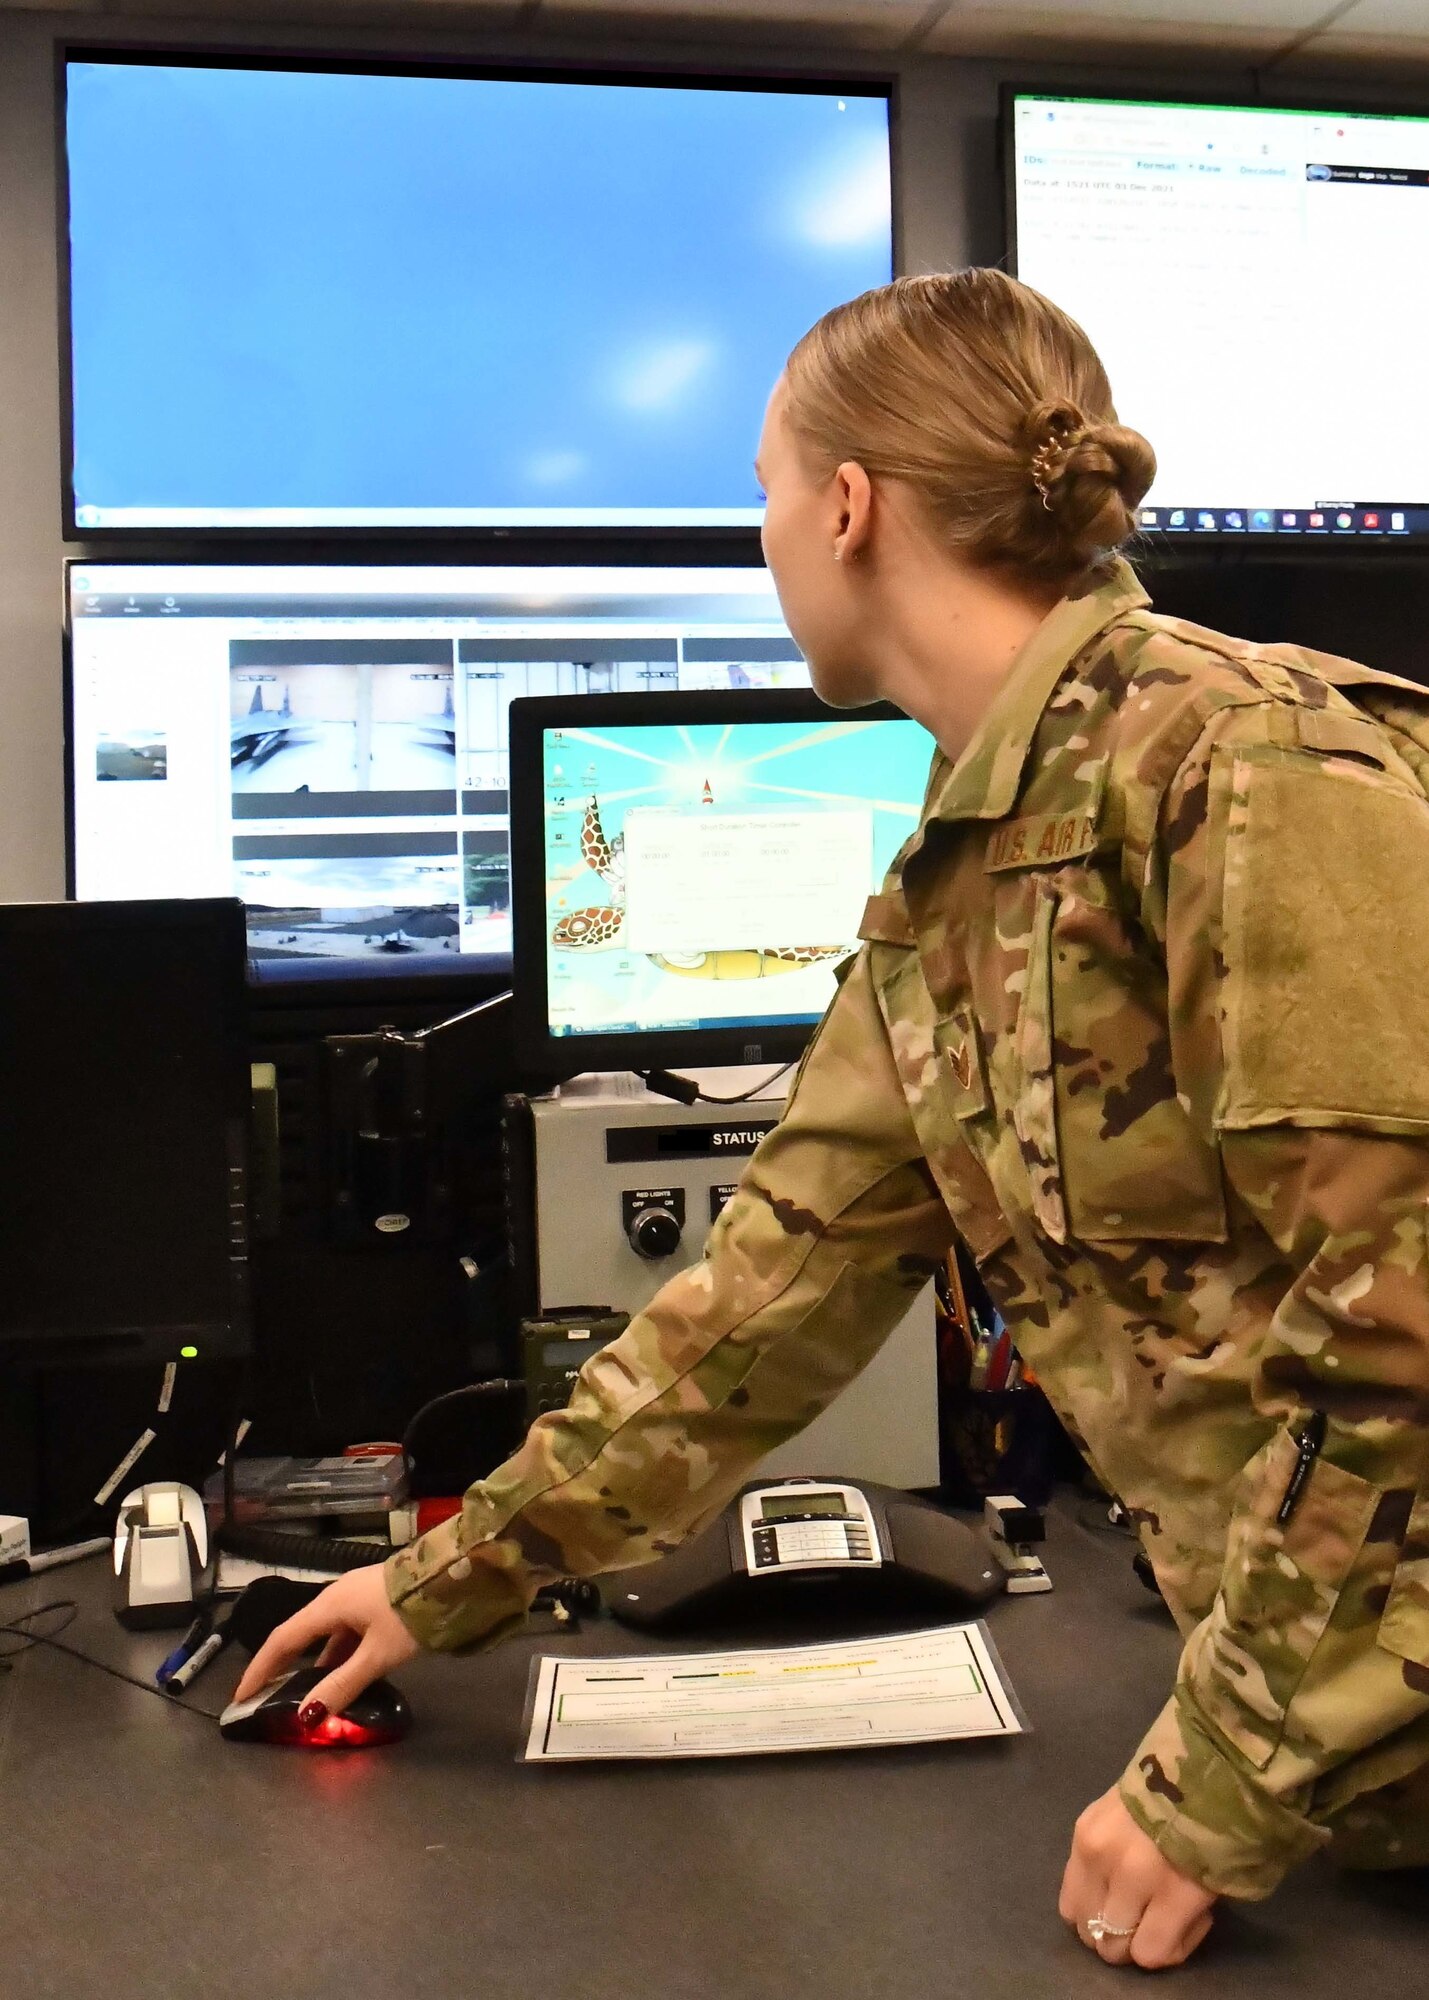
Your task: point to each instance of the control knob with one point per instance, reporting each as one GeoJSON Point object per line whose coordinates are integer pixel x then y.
{"type": "Point", "coordinates": [654, 1233]}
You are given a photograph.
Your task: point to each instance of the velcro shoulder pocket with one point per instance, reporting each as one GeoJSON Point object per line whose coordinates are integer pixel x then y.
{"type": "Point", "coordinates": [1325, 941]}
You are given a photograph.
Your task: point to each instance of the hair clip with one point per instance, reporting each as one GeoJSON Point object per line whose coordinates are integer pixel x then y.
{"type": "Point", "coordinates": [1048, 457]}
{"type": "Point", "coordinates": [1042, 463]}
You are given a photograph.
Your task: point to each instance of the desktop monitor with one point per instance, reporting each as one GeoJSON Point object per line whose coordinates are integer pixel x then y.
{"type": "Point", "coordinates": [124, 1074]}
{"type": "Point", "coordinates": [688, 871]}
{"type": "Point", "coordinates": [328, 742]}
{"type": "Point", "coordinates": [1253, 276]}
{"type": "Point", "coordinates": [326, 294]}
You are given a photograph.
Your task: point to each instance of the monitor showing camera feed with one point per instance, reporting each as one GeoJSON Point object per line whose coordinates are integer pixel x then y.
{"type": "Point", "coordinates": [308, 294]}
{"type": "Point", "coordinates": [689, 873]}
{"type": "Point", "coordinates": [330, 742]}
{"type": "Point", "coordinates": [1256, 280]}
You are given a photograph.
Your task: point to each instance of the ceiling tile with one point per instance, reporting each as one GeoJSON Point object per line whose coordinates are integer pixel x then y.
{"type": "Point", "coordinates": [835, 24]}
{"type": "Point", "coordinates": [1372, 37]}
{"type": "Point", "coordinates": [1393, 65]}
{"type": "Point", "coordinates": [1385, 17]}
{"type": "Point", "coordinates": [436, 14]}
{"type": "Point", "coordinates": [1384, 43]}
{"type": "Point", "coordinates": [1219, 31]}
{"type": "Point", "coordinates": [854, 24]}
{"type": "Point", "coordinates": [1289, 16]}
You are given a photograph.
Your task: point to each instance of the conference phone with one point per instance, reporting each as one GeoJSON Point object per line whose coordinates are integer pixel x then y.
{"type": "Point", "coordinates": [818, 1548]}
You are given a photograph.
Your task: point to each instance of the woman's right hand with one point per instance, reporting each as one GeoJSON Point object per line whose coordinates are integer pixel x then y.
{"type": "Point", "coordinates": [364, 1635]}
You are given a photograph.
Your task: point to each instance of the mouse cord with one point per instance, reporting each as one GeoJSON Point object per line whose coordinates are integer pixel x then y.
{"type": "Point", "coordinates": [20, 1630]}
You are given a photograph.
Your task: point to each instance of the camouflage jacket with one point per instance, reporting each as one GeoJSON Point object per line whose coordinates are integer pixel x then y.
{"type": "Point", "coordinates": [1141, 1013]}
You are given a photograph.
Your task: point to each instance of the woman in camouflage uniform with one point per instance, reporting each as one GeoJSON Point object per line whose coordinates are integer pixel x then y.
{"type": "Point", "coordinates": [1139, 1015]}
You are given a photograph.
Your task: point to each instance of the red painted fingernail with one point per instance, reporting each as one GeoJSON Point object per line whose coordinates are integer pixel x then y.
{"type": "Point", "coordinates": [313, 1714]}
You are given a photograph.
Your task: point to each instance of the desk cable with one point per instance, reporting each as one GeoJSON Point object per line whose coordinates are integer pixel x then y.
{"type": "Point", "coordinates": [26, 1638]}
{"type": "Point", "coordinates": [684, 1089]}
{"type": "Point", "coordinates": [20, 1631]}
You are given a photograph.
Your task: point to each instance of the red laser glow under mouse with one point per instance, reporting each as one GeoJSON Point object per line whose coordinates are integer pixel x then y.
{"type": "Point", "coordinates": [336, 1730]}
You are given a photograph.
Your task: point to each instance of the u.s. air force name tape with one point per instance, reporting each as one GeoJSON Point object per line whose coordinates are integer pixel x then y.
{"type": "Point", "coordinates": [1033, 843]}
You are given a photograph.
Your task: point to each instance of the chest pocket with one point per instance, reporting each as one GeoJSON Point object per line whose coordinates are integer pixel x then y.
{"type": "Point", "coordinates": [940, 1068]}
{"type": "Point", "coordinates": [1404, 1630]}
{"type": "Point", "coordinates": [1108, 1147]}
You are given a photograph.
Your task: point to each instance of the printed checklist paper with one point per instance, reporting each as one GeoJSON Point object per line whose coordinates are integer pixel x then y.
{"type": "Point", "coordinates": [918, 1687]}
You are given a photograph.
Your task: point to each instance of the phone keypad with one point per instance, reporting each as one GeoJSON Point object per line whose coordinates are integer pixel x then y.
{"type": "Point", "coordinates": [813, 1542]}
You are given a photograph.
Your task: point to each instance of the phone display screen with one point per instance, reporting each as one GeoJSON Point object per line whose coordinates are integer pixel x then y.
{"type": "Point", "coordinates": [795, 1506]}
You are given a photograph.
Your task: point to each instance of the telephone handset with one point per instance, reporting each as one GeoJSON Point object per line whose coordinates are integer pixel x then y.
{"type": "Point", "coordinates": [819, 1546]}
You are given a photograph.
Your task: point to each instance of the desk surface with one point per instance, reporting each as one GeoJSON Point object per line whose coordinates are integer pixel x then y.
{"type": "Point", "coordinates": [142, 1858]}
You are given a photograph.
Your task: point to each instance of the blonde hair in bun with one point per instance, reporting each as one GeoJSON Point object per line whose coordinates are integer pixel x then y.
{"type": "Point", "coordinates": [990, 403]}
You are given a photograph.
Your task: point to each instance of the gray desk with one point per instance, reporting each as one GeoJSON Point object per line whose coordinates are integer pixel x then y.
{"type": "Point", "coordinates": [141, 1858]}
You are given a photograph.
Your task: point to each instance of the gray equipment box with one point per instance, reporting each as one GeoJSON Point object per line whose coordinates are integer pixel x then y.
{"type": "Point", "coordinates": [611, 1189]}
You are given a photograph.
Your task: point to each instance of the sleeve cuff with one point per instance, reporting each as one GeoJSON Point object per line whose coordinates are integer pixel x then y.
{"type": "Point", "coordinates": [1205, 1811]}
{"type": "Point", "coordinates": [455, 1599]}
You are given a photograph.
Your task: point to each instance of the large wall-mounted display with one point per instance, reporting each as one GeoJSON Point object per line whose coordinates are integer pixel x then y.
{"type": "Point", "coordinates": [1256, 280]}
{"type": "Point", "coordinates": [310, 295]}
{"type": "Point", "coordinates": [329, 742]}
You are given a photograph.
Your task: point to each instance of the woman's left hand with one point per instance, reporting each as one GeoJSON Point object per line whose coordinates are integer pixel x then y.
{"type": "Point", "coordinates": [1117, 1873]}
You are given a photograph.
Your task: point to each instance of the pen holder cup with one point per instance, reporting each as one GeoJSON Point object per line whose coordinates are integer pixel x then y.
{"type": "Point", "coordinates": [997, 1441]}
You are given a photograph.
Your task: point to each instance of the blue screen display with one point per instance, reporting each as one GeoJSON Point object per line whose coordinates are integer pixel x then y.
{"type": "Point", "coordinates": [714, 875]}
{"type": "Point", "coordinates": [318, 298]}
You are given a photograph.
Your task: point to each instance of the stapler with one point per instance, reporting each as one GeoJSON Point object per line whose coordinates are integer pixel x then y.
{"type": "Point", "coordinates": [1015, 1529]}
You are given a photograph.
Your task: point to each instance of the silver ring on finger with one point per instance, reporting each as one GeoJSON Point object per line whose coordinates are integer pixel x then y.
{"type": "Point", "coordinates": [1097, 1929]}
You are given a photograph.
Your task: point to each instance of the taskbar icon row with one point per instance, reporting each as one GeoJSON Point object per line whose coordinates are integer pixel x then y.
{"type": "Point", "coordinates": [1324, 520]}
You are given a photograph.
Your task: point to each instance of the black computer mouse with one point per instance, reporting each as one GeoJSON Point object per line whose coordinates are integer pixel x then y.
{"type": "Point", "coordinates": [380, 1714]}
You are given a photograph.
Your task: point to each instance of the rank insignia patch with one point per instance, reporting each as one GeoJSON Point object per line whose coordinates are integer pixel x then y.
{"type": "Point", "coordinates": [959, 1047]}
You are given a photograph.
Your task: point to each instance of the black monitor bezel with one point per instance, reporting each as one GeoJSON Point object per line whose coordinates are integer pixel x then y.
{"type": "Point", "coordinates": [545, 1058]}
{"type": "Point", "coordinates": [222, 919]}
{"type": "Point", "coordinates": [732, 542]}
{"type": "Point", "coordinates": [1197, 544]}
